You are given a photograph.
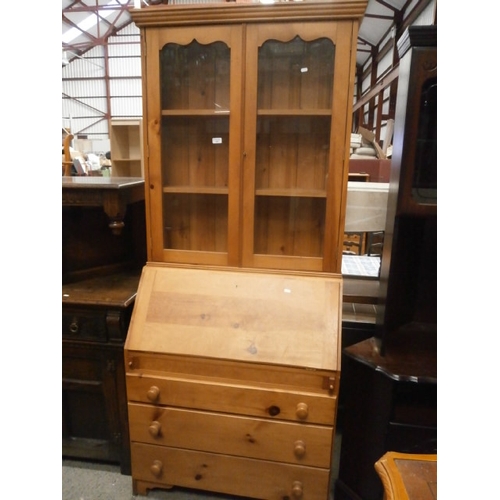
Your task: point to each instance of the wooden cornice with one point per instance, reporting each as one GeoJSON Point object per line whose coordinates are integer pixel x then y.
{"type": "Point", "coordinates": [235, 12]}
{"type": "Point", "coordinates": [417, 36]}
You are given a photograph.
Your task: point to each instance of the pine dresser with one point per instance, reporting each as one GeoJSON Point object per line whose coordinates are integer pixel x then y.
{"type": "Point", "coordinates": [232, 380]}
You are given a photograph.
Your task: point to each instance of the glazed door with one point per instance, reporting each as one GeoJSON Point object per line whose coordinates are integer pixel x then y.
{"type": "Point", "coordinates": [297, 126]}
{"type": "Point", "coordinates": [194, 133]}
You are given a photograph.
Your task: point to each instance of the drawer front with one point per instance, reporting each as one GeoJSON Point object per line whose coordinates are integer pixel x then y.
{"type": "Point", "coordinates": [163, 466]}
{"type": "Point", "coordinates": [232, 435]}
{"type": "Point", "coordinates": [236, 399]}
{"type": "Point", "coordinates": [84, 325]}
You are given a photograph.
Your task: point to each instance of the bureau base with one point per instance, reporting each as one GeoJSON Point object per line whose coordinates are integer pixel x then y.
{"type": "Point", "coordinates": [232, 381]}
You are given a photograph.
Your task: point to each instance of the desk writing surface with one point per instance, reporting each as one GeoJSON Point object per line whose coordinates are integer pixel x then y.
{"type": "Point", "coordinates": [290, 319]}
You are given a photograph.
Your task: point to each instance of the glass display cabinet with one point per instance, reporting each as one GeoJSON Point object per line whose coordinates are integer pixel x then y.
{"type": "Point", "coordinates": [247, 124]}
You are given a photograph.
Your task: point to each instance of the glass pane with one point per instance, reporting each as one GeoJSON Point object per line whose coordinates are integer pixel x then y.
{"type": "Point", "coordinates": [195, 146]}
{"type": "Point", "coordinates": [195, 151]}
{"type": "Point", "coordinates": [195, 155]}
{"type": "Point", "coordinates": [290, 179]}
{"type": "Point", "coordinates": [195, 222]}
{"type": "Point", "coordinates": [296, 74]}
{"type": "Point", "coordinates": [195, 76]}
{"type": "Point", "coordinates": [295, 83]}
{"type": "Point", "coordinates": [425, 175]}
{"type": "Point", "coordinates": [287, 225]}
{"type": "Point", "coordinates": [293, 153]}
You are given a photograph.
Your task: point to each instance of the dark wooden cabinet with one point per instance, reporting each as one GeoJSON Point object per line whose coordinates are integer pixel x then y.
{"type": "Point", "coordinates": [408, 274]}
{"type": "Point", "coordinates": [95, 317]}
{"type": "Point", "coordinates": [390, 379]}
{"type": "Point", "coordinates": [104, 248]}
{"type": "Point", "coordinates": [389, 403]}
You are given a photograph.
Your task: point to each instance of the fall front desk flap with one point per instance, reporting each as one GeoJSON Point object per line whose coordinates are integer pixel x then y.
{"type": "Point", "coordinates": [291, 319]}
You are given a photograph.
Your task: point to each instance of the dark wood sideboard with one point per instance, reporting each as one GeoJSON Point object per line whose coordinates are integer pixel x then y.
{"type": "Point", "coordinates": [391, 378]}
{"type": "Point", "coordinates": [104, 250]}
{"type": "Point", "coordinates": [389, 403]}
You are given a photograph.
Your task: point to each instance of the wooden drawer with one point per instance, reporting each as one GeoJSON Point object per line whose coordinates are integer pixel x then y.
{"type": "Point", "coordinates": [233, 435]}
{"type": "Point", "coordinates": [82, 324]}
{"type": "Point", "coordinates": [161, 466]}
{"type": "Point", "coordinates": [233, 398]}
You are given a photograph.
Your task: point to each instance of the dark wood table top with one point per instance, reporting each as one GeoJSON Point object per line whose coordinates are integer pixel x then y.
{"type": "Point", "coordinates": [401, 364]}
{"type": "Point", "coordinates": [116, 290]}
{"type": "Point", "coordinates": [113, 194]}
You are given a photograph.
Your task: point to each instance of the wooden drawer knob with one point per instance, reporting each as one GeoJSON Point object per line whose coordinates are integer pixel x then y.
{"type": "Point", "coordinates": [153, 393]}
{"type": "Point", "coordinates": [302, 411]}
{"type": "Point", "coordinates": [154, 428]}
{"type": "Point", "coordinates": [156, 468]}
{"type": "Point", "coordinates": [299, 448]}
{"type": "Point", "coordinates": [297, 489]}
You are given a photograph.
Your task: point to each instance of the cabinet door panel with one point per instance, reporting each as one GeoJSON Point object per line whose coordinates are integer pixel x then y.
{"type": "Point", "coordinates": [235, 113]}
{"type": "Point", "coordinates": [296, 128]}
{"type": "Point", "coordinates": [90, 408]}
{"type": "Point", "coordinates": [194, 132]}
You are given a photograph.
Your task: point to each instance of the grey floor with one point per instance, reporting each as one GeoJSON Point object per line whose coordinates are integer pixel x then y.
{"type": "Point", "coordinates": [97, 481]}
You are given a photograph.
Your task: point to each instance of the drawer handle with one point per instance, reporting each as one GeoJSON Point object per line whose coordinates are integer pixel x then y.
{"type": "Point", "coordinates": [299, 448]}
{"type": "Point", "coordinates": [154, 428]}
{"type": "Point", "coordinates": [153, 393]}
{"type": "Point", "coordinates": [156, 468]}
{"type": "Point", "coordinates": [73, 327]}
{"type": "Point", "coordinates": [302, 411]}
{"type": "Point", "coordinates": [297, 489]}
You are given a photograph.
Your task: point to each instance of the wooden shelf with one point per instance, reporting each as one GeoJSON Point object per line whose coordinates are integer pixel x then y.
{"type": "Point", "coordinates": [294, 112]}
{"type": "Point", "coordinates": [195, 112]}
{"type": "Point", "coordinates": [299, 193]}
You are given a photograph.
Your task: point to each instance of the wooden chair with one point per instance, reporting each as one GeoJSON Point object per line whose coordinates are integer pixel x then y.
{"type": "Point", "coordinates": [67, 162]}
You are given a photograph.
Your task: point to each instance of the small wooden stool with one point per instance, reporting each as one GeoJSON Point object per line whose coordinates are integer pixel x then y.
{"type": "Point", "coordinates": [408, 476]}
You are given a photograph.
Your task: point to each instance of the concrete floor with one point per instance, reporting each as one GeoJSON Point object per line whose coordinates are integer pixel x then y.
{"type": "Point", "coordinates": [97, 481]}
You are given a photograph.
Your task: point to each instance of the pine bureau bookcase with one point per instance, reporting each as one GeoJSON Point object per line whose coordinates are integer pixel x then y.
{"type": "Point", "coordinates": [232, 355]}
